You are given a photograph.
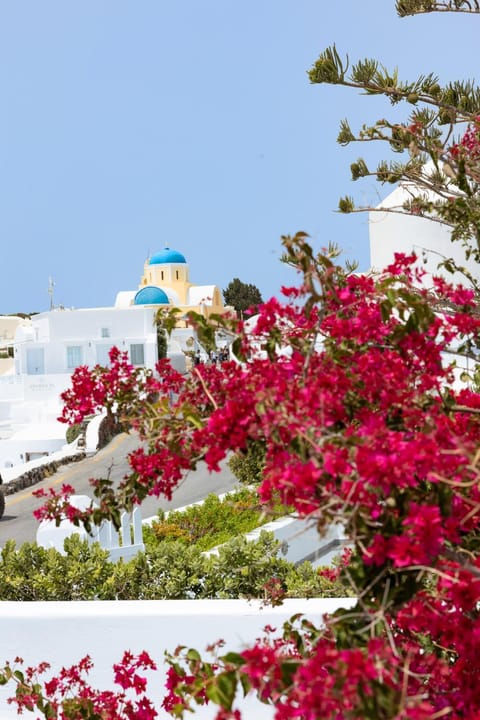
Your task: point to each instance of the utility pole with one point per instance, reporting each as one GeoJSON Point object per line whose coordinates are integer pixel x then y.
{"type": "Point", "coordinates": [51, 285]}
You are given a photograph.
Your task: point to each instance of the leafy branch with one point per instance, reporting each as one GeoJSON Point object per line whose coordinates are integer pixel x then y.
{"type": "Point", "coordinates": [440, 138]}
{"type": "Point", "coordinates": [418, 7]}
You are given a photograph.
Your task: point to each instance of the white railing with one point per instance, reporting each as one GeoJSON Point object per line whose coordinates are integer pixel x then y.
{"type": "Point", "coordinates": [124, 544]}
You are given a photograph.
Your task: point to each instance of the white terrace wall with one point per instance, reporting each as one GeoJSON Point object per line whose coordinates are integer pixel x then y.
{"type": "Point", "coordinates": [298, 537]}
{"type": "Point", "coordinates": [64, 632]}
{"type": "Point", "coordinates": [300, 540]}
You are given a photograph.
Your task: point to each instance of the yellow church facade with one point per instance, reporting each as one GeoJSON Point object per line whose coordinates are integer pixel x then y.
{"type": "Point", "coordinates": [165, 283]}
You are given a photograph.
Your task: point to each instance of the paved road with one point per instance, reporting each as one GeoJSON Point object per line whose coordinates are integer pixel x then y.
{"type": "Point", "coordinates": [19, 524]}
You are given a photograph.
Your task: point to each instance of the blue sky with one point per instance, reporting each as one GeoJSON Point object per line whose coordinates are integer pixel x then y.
{"type": "Point", "coordinates": [129, 124]}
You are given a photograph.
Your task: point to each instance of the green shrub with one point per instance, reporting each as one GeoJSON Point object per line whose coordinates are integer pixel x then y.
{"type": "Point", "coordinates": [35, 573]}
{"type": "Point", "coordinates": [242, 568]}
{"type": "Point", "coordinates": [304, 581]}
{"type": "Point", "coordinates": [173, 565]}
{"type": "Point", "coordinates": [248, 465]}
{"type": "Point", "coordinates": [172, 570]}
{"type": "Point", "coordinates": [73, 431]}
{"type": "Point", "coordinates": [214, 521]}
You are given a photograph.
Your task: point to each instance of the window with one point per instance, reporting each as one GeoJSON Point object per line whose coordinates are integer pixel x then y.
{"type": "Point", "coordinates": [35, 361]}
{"type": "Point", "coordinates": [101, 353]}
{"type": "Point", "coordinates": [104, 332]}
{"type": "Point", "coordinates": [176, 273]}
{"type": "Point", "coordinates": [74, 356]}
{"type": "Point", "coordinates": [137, 354]}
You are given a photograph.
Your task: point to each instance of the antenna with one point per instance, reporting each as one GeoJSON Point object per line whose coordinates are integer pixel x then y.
{"type": "Point", "coordinates": [51, 285]}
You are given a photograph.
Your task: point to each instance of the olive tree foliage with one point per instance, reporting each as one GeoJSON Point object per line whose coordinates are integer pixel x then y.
{"type": "Point", "coordinates": [434, 152]}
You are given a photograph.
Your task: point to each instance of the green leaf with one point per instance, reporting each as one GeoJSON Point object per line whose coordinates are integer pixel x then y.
{"type": "Point", "coordinates": [222, 692]}
{"type": "Point", "coordinates": [193, 654]}
{"type": "Point", "coordinates": [245, 683]}
{"type": "Point", "coordinates": [359, 169]}
{"type": "Point", "coordinates": [49, 711]}
{"type": "Point", "coordinates": [346, 204]}
{"type": "Point", "coordinates": [288, 670]}
{"type": "Point", "coordinates": [385, 310]}
{"type": "Point", "coordinates": [329, 67]}
{"type": "Point", "coordinates": [345, 135]}
{"type": "Point", "coordinates": [364, 71]}
{"type": "Point", "coordinates": [233, 658]}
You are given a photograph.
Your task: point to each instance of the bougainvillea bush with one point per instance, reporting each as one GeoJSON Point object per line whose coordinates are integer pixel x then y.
{"type": "Point", "coordinates": [349, 390]}
{"type": "Point", "coordinates": [364, 423]}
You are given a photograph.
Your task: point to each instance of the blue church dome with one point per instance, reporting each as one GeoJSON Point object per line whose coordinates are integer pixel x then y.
{"type": "Point", "coordinates": [167, 256]}
{"type": "Point", "coordinates": [151, 295]}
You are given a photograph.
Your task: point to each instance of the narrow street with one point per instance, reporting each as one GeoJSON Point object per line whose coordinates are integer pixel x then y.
{"type": "Point", "coordinates": [19, 524]}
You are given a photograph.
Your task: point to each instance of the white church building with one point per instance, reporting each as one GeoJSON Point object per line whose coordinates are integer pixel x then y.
{"type": "Point", "coordinates": [43, 352]}
{"type": "Point", "coordinates": [391, 231]}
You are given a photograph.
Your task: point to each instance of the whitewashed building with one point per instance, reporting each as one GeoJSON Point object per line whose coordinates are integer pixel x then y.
{"type": "Point", "coordinates": [391, 231]}
{"type": "Point", "coordinates": [48, 348]}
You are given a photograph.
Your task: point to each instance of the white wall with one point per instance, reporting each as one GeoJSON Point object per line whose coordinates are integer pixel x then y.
{"type": "Point", "coordinates": [35, 399]}
{"type": "Point", "coordinates": [29, 406]}
{"type": "Point", "coordinates": [392, 232]}
{"type": "Point", "coordinates": [45, 389]}
{"type": "Point", "coordinates": [300, 541]}
{"type": "Point", "coordinates": [88, 322]}
{"type": "Point", "coordinates": [11, 388]}
{"type": "Point", "coordinates": [63, 632]}
{"type": "Point", "coordinates": [13, 452]}
{"type": "Point", "coordinates": [55, 330]}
